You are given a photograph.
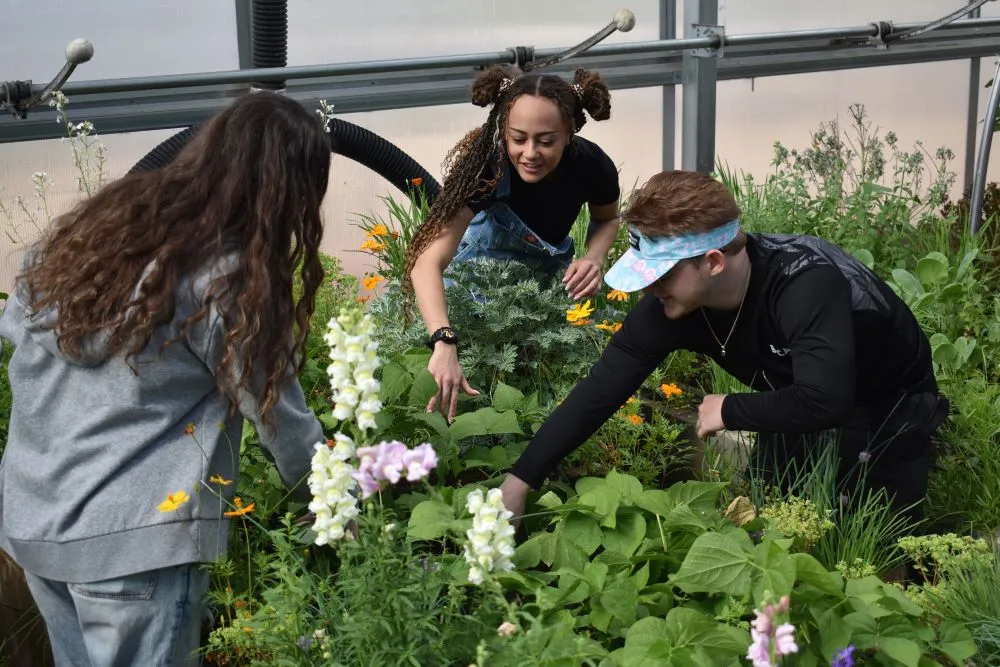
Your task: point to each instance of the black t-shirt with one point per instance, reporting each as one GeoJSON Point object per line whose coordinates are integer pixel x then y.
{"type": "Point", "coordinates": [821, 339]}
{"type": "Point", "coordinates": [585, 174]}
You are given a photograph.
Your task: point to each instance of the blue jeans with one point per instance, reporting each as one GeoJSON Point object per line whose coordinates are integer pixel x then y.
{"type": "Point", "coordinates": [150, 619]}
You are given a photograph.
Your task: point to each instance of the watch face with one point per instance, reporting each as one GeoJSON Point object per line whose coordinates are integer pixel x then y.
{"type": "Point", "coordinates": [448, 333]}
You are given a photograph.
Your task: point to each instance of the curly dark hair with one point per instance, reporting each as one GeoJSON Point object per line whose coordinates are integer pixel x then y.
{"type": "Point", "coordinates": [466, 162]}
{"type": "Point", "coordinates": [249, 185]}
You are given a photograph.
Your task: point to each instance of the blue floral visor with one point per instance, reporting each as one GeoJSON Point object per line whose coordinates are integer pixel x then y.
{"type": "Point", "coordinates": [651, 257]}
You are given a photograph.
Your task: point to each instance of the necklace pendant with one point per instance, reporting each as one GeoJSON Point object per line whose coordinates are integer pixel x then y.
{"type": "Point", "coordinates": [723, 350]}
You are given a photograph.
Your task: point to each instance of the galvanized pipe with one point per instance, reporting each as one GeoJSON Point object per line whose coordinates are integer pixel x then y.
{"type": "Point", "coordinates": [658, 47]}
{"type": "Point", "coordinates": [983, 161]}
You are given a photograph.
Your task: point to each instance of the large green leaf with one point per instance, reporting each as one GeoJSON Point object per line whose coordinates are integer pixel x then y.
{"type": "Point", "coordinates": [484, 421]}
{"type": "Point", "coordinates": [506, 397]}
{"type": "Point", "coordinates": [717, 563]}
{"type": "Point", "coordinates": [933, 268]}
{"type": "Point", "coordinates": [430, 520]}
{"type": "Point", "coordinates": [956, 642]}
{"type": "Point", "coordinates": [628, 533]}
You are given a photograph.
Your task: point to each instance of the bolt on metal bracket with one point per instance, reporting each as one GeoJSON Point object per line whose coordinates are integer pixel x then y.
{"type": "Point", "coordinates": [704, 30]}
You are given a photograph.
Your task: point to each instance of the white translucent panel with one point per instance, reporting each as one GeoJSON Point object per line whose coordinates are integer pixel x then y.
{"type": "Point", "coordinates": [752, 16]}
{"type": "Point", "coordinates": [924, 102]}
{"type": "Point", "coordinates": [323, 32]}
{"type": "Point", "coordinates": [130, 37]}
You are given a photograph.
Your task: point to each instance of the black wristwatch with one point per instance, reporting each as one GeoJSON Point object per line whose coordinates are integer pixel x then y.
{"type": "Point", "coordinates": [446, 334]}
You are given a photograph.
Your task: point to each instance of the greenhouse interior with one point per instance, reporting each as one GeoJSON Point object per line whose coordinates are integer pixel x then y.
{"type": "Point", "coordinates": [476, 333]}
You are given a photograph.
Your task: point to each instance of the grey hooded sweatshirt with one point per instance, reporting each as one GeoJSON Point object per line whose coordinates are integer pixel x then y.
{"type": "Point", "coordinates": [94, 448]}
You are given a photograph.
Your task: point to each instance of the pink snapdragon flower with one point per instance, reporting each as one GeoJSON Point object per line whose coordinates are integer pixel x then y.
{"type": "Point", "coordinates": [770, 642]}
{"type": "Point", "coordinates": [386, 461]}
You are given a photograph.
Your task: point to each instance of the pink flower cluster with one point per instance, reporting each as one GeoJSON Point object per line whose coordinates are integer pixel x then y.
{"type": "Point", "coordinates": [771, 642]}
{"type": "Point", "coordinates": [386, 462]}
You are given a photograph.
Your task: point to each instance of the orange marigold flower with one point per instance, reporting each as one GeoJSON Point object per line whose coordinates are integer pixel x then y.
{"type": "Point", "coordinates": [240, 509]}
{"type": "Point", "coordinates": [371, 282]}
{"type": "Point", "coordinates": [173, 501]}
{"type": "Point", "coordinates": [582, 323]}
{"type": "Point", "coordinates": [617, 295]}
{"type": "Point", "coordinates": [635, 419]}
{"type": "Point", "coordinates": [362, 299]}
{"type": "Point", "coordinates": [189, 429]}
{"type": "Point", "coordinates": [670, 390]}
{"type": "Point", "coordinates": [417, 181]}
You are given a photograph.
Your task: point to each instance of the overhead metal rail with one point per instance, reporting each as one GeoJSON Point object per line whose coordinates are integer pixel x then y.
{"type": "Point", "coordinates": [174, 101]}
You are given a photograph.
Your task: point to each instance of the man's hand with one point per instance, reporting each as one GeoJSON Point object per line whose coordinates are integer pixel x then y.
{"type": "Point", "coordinates": [583, 278]}
{"type": "Point", "coordinates": [710, 415]}
{"type": "Point", "coordinates": [515, 495]}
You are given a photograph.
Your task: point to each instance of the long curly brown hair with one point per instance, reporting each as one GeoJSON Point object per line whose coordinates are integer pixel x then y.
{"type": "Point", "coordinates": [248, 185]}
{"type": "Point", "coordinates": [484, 146]}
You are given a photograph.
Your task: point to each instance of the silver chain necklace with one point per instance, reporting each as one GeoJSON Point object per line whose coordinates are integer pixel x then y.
{"type": "Point", "coordinates": [722, 344]}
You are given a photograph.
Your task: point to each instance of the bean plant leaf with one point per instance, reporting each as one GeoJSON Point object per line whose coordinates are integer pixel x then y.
{"type": "Point", "coordinates": [430, 520]}
{"type": "Point", "coordinates": [956, 642]}
{"type": "Point", "coordinates": [717, 563]}
{"type": "Point", "coordinates": [484, 421]}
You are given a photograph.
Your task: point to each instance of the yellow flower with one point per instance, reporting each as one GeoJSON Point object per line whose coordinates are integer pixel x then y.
{"type": "Point", "coordinates": [635, 419]}
{"type": "Point", "coordinates": [613, 327]}
{"type": "Point", "coordinates": [631, 399]}
{"type": "Point", "coordinates": [670, 390]}
{"type": "Point", "coordinates": [579, 311]}
{"type": "Point", "coordinates": [218, 479]}
{"type": "Point", "coordinates": [373, 245]}
{"type": "Point", "coordinates": [617, 295]}
{"type": "Point", "coordinates": [372, 281]}
{"type": "Point", "coordinates": [173, 501]}
{"type": "Point", "coordinates": [378, 230]}
{"type": "Point", "coordinates": [240, 509]}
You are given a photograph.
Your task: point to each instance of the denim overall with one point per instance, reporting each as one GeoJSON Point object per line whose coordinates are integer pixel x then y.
{"type": "Point", "coordinates": [498, 233]}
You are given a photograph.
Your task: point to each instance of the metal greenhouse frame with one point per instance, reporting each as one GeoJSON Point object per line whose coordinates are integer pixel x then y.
{"type": "Point", "coordinates": [696, 60]}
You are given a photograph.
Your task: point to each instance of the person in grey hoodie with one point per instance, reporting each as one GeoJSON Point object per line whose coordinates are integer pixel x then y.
{"type": "Point", "coordinates": [147, 324]}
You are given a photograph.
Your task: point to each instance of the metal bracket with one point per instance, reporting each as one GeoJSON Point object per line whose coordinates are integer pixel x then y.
{"type": "Point", "coordinates": [703, 30]}
{"type": "Point", "coordinates": [522, 55]}
{"type": "Point", "coordinates": [882, 30]}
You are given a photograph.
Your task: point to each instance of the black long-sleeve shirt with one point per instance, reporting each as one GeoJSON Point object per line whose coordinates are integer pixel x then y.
{"type": "Point", "coordinates": [820, 339]}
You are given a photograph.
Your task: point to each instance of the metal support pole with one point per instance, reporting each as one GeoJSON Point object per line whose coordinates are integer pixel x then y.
{"type": "Point", "coordinates": [971, 122]}
{"type": "Point", "coordinates": [699, 72]}
{"type": "Point", "coordinates": [979, 182]}
{"type": "Point", "coordinates": [243, 33]}
{"type": "Point", "coordinates": [668, 30]}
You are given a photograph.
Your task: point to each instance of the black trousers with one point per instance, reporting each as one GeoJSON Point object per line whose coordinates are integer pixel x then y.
{"type": "Point", "coordinates": [889, 449]}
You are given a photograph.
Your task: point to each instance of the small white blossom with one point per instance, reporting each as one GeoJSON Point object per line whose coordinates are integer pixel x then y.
{"type": "Point", "coordinates": [490, 543]}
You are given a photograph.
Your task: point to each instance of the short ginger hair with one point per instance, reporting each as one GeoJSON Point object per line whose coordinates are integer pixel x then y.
{"type": "Point", "coordinates": [682, 202]}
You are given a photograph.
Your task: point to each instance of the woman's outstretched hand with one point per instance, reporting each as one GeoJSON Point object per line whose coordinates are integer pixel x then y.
{"type": "Point", "coordinates": [583, 278]}
{"type": "Point", "coordinates": [447, 372]}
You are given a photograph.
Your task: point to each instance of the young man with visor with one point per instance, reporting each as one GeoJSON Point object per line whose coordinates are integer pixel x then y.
{"type": "Point", "coordinates": [822, 341]}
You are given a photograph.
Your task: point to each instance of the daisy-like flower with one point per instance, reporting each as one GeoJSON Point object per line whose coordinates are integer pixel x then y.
{"type": "Point", "coordinates": [617, 295]}
{"type": "Point", "coordinates": [333, 485]}
{"type": "Point", "coordinates": [579, 311]}
{"type": "Point", "coordinates": [670, 390]}
{"type": "Point", "coordinates": [353, 351]}
{"type": "Point", "coordinates": [241, 509]}
{"type": "Point", "coordinates": [491, 539]}
{"type": "Point", "coordinates": [371, 282]}
{"type": "Point", "coordinates": [173, 501]}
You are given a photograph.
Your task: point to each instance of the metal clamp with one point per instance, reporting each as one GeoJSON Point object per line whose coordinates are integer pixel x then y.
{"type": "Point", "coordinates": [704, 30]}
{"type": "Point", "coordinates": [883, 29]}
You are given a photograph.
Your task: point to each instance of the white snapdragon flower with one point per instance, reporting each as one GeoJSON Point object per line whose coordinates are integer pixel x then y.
{"type": "Point", "coordinates": [490, 543]}
{"type": "Point", "coordinates": [354, 360]}
{"type": "Point", "coordinates": [333, 487]}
